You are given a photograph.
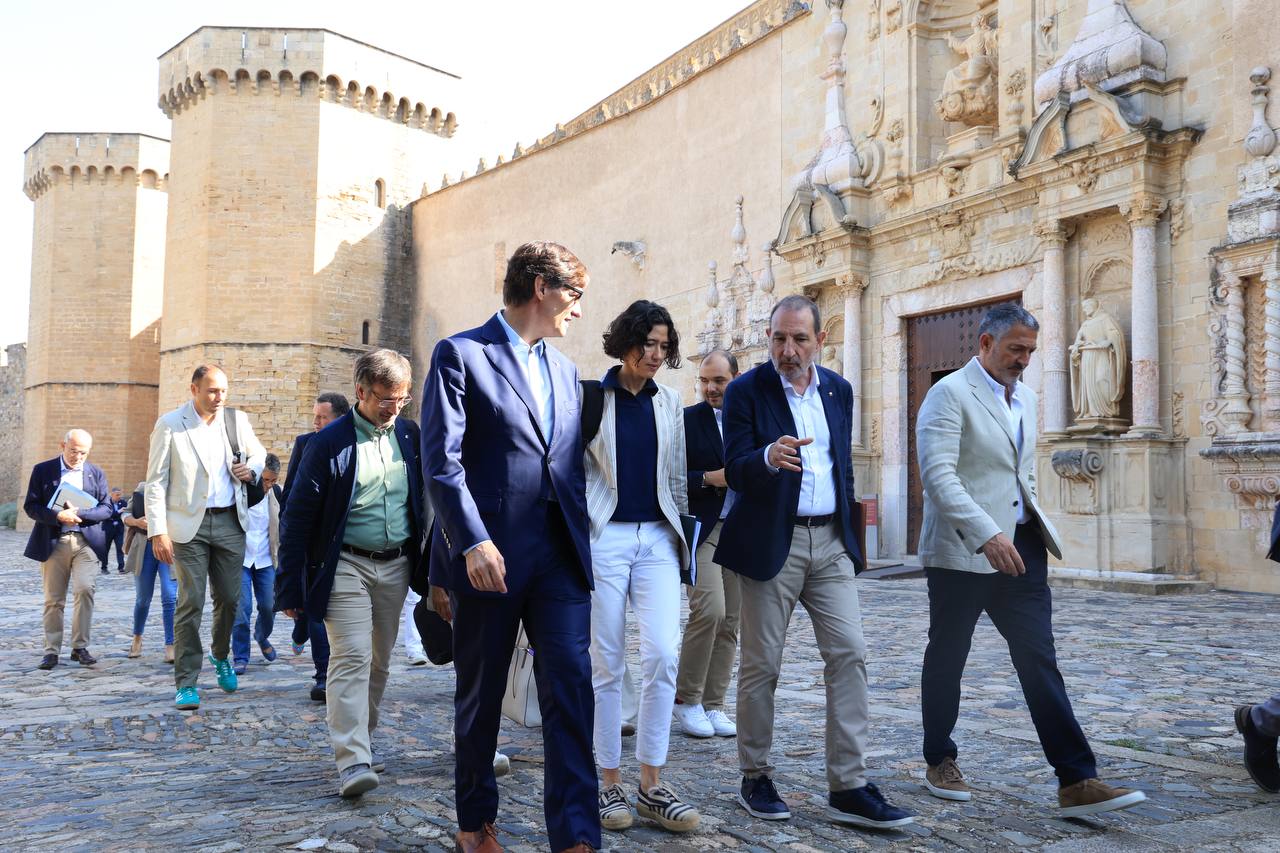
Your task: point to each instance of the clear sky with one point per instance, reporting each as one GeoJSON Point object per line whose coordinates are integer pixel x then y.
{"type": "Point", "coordinates": [526, 64]}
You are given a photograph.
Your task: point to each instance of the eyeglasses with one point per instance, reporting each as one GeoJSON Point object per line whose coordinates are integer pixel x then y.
{"type": "Point", "coordinates": [576, 291]}
{"type": "Point", "coordinates": [390, 402]}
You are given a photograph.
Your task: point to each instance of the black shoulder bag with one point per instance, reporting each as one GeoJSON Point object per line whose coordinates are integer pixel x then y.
{"type": "Point", "coordinates": [253, 491]}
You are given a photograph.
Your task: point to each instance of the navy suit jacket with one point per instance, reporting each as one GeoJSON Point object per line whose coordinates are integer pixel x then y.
{"type": "Point", "coordinates": [756, 536]}
{"type": "Point", "coordinates": [295, 464]}
{"type": "Point", "coordinates": [315, 517]}
{"type": "Point", "coordinates": [44, 536]}
{"type": "Point", "coordinates": [704, 450]}
{"type": "Point", "coordinates": [484, 458]}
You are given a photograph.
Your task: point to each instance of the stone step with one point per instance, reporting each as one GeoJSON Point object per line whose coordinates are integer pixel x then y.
{"type": "Point", "coordinates": [1142, 583]}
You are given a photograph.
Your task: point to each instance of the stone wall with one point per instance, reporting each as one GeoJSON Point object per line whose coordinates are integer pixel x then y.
{"type": "Point", "coordinates": [13, 372]}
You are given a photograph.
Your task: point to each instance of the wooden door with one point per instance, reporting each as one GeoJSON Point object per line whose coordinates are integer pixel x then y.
{"type": "Point", "coordinates": [937, 344]}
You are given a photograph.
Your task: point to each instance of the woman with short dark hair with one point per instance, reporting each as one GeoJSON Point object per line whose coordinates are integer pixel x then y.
{"type": "Point", "coordinates": [636, 494]}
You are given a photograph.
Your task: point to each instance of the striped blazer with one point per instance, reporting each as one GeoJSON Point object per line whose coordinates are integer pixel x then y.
{"type": "Point", "coordinates": [601, 459]}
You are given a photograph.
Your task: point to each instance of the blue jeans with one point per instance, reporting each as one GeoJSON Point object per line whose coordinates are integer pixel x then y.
{"type": "Point", "coordinates": [144, 589]}
{"type": "Point", "coordinates": [259, 583]}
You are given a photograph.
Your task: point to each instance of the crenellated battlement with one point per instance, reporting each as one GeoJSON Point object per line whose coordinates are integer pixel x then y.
{"type": "Point", "coordinates": [306, 63]}
{"type": "Point", "coordinates": [95, 158]}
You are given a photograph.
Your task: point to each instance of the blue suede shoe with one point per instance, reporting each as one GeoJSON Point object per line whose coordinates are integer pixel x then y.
{"type": "Point", "coordinates": [866, 806]}
{"type": "Point", "coordinates": [187, 699]}
{"type": "Point", "coordinates": [760, 798]}
{"type": "Point", "coordinates": [226, 675]}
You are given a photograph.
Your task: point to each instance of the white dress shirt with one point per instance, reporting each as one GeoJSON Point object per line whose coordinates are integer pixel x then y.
{"type": "Point", "coordinates": [817, 466]}
{"type": "Point", "coordinates": [210, 441]}
{"type": "Point", "coordinates": [729, 495]}
{"type": "Point", "coordinates": [1012, 409]}
{"type": "Point", "coordinates": [537, 372]}
{"type": "Point", "coordinates": [257, 541]}
{"type": "Point", "coordinates": [74, 477]}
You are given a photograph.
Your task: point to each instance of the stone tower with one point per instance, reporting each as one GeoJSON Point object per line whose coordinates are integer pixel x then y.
{"type": "Point", "coordinates": [97, 267]}
{"type": "Point", "coordinates": [296, 154]}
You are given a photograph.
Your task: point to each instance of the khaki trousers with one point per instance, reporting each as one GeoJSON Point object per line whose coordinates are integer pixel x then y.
{"type": "Point", "coordinates": [72, 563]}
{"type": "Point", "coordinates": [819, 574]}
{"type": "Point", "coordinates": [711, 634]}
{"type": "Point", "coordinates": [213, 558]}
{"type": "Point", "coordinates": [363, 621]}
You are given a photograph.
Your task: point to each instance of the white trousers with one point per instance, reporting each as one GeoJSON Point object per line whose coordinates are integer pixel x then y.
{"type": "Point", "coordinates": [636, 562]}
{"type": "Point", "coordinates": [409, 628]}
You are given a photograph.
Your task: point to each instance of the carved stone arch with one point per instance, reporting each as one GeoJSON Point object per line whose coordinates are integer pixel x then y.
{"type": "Point", "coordinates": [435, 120]}
{"type": "Point", "coordinates": [419, 115]}
{"type": "Point", "coordinates": [75, 174]}
{"type": "Point", "coordinates": [1103, 274]}
{"type": "Point", "coordinates": [387, 105]}
{"type": "Point", "coordinates": [287, 82]}
{"type": "Point", "coordinates": [370, 100]}
{"type": "Point", "coordinates": [128, 175]}
{"type": "Point", "coordinates": [219, 80]}
{"type": "Point", "coordinates": [450, 124]}
{"type": "Point", "coordinates": [148, 179]}
{"type": "Point", "coordinates": [403, 111]}
{"type": "Point", "coordinates": [796, 220]}
{"type": "Point", "coordinates": [90, 174]}
{"type": "Point", "coordinates": [309, 84]}
{"type": "Point", "coordinates": [243, 80]}
{"type": "Point", "coordinates": [353, 94]}
{"type": "Point", "coordinates": [265, 81]}
{"type": "Point", "coordinates": [333, 88]}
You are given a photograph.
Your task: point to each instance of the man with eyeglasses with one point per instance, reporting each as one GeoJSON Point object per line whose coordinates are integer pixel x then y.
{"type": "Point", "coordinates": [350, 538]}
{"type": "Point", "coordinates": [503, 462]}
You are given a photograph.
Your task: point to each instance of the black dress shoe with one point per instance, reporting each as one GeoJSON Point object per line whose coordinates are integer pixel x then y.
{"type": "Point", "coordinates": [82, 657]}
{"type": "Point", "coordinates": [48, 662]}
{"type": "Point", "coordinates": [319, 693]}
{"type": "Point", "coordinates": [1259, 752]}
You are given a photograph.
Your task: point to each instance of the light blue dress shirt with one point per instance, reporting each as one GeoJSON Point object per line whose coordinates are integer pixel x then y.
{"type": "Point", "coordinates": [817, 468]}
{"type": "Point", "coordinates": [537, 372]}
{"type": "Point", "coordinates": [1012, 409]}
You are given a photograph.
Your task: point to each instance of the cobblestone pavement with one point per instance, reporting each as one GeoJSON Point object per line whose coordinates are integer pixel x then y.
{"type": "Point", "coordinates": [96, 758]}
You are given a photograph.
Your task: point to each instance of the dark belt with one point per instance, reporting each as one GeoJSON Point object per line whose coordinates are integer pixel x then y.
{"type": "Point", "coordinates": [214, 510]}
{"type": "Point", "coordinates": [381, 556]}
{"type": "Point", "coordinates": [813, 520]}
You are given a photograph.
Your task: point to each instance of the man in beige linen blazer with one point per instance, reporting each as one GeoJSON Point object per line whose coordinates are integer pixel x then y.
{"type": "Point", "coordinates": [197, 511]}
{"type": "Point", "coordinates": [984, 546]}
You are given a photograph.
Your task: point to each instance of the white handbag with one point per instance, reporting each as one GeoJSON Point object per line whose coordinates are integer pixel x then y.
{"type": "Point", "coordinates": [520, 702]}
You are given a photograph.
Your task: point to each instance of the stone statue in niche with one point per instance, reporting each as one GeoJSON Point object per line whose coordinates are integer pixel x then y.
{"type": "Point", "coordinates": [832, 361]}
{"type": "Point", "coordinates": [969, 94]}
{"type": "Point", "coordinates": [1098, 365]}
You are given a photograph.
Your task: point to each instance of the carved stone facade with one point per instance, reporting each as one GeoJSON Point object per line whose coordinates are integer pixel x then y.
{"type": "Point", "coordinates": [1113, 150]}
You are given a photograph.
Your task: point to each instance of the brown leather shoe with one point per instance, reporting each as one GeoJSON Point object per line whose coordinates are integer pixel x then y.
{"type": "Point", "coordinates": [481, 841]}
{"type": "Point", "coordinates": [1093, 796]}
{"type": "Point", "coordinates": [82, 657]}
{"type": "Point", "coordinates": [946, 782]}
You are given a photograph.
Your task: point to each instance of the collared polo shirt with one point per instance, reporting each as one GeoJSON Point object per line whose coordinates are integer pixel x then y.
{"type": "Point", "coordinates": [379, 515]}
{"type": "Point", "coordinates": [636, 451]}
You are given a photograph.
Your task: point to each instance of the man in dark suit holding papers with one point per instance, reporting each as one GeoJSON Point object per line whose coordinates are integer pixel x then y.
{"type": "Point", "coordinates": [67, 498]}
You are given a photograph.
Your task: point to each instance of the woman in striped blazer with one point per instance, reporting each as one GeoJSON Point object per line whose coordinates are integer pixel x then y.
{"type": "Point", "coordinates": [636, 494]}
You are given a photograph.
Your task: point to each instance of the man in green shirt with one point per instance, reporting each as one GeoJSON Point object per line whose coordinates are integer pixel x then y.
{"type": "Point", "coordinates": [355, 517]}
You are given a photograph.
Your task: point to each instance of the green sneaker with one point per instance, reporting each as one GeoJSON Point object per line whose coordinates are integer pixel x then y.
{"type": "Point", "coordinates": [226, 675]}
{"type": "Point", "coordinates": [187, 699]}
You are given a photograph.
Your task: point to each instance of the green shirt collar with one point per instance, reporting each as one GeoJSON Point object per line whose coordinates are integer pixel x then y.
{"type": "Point", "coordinates": [366, 428]}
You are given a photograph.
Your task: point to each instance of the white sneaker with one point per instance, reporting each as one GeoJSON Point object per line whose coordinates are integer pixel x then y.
{"type": "Point", "coordinates": [693, 720]}
{"type": "Point", "coordinates": [722, 724]}
{"type": "Point", "coordinates": [417, 657]}
{"type": "Point", "coordinates": [501, 764]}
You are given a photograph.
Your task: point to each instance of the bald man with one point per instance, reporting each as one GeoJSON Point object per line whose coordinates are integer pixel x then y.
{"type": "Point", "coordinates": [68, 541]}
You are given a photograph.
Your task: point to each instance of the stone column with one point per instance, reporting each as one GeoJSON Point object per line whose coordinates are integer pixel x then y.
{"type": "Point", "coordinates": [1053, 344]}
{"type": "Point", "coordinates": [1271, 405]}
{"type": "Point", "coordinates": [1142, 213]}
{"type": "Point", "coordinates": [851, 287]}
{"type": "Point", "coordinates": [1236, 411]}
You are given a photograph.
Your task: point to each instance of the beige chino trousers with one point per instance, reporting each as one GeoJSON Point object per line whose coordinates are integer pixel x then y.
{"type": "Point", "coordinates": [711, 633]}
{"type": "Point", "coordinates": [819, 574]}
{"type": "Point", "coordinates": [72, 563]}
{"type": "Point", "coordinates": [363, 621]}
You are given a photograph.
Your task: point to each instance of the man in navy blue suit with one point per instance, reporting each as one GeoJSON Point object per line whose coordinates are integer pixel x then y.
{"type": "Point", "coordinates": [68, 543]}
{"type": "Point", "coordinates": [350, 538]}
{"type": "Point", "coordinates": [113, 532]}
{"type": "Point", "coordinates": [328, 407]}
{"type": "Point", "coordinates": [502, 459]}
{"type": "Point", "coordinates": [711, 633]}
{"type": "Point", "coordinates": [789, 536]}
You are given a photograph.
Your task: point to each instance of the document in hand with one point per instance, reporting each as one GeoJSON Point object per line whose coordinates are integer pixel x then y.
{"type": "Point", "coordinates": [68, 495]}
{"type": "Point", "coordinates": [692, 530]}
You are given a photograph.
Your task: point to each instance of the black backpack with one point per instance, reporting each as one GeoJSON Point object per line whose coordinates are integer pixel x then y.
{"type": "Point", "coordinates": [592, 409]}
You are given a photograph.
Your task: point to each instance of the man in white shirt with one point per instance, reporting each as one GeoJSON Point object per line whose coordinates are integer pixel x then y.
{"type": "Point", "coordinates": [790, 537]}
{"type": "Point", "coordinates": [258, 574]}
{"type": "Point", "coordinates": [985, 545]}
{"type": "Point", "coordinates": [197, 512]}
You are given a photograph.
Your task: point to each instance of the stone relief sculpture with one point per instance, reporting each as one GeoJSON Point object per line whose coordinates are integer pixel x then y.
{"type": "Point", "coordinates": [831, 359]}
{"type": "Point", "coordinates": [1098, 364]}
{"type": "Point", "coordinates": [969, 94]}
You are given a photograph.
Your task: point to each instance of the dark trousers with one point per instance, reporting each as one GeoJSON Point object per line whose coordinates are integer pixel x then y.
{"type": "Point", "coordinates": [1021, 608]}
{"type": "Point", "coordinates": [305, 629]}
{"type": "Point", "coordinates": [115, 535]}
{"type": "Point", "coordinates": [555, 607]}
